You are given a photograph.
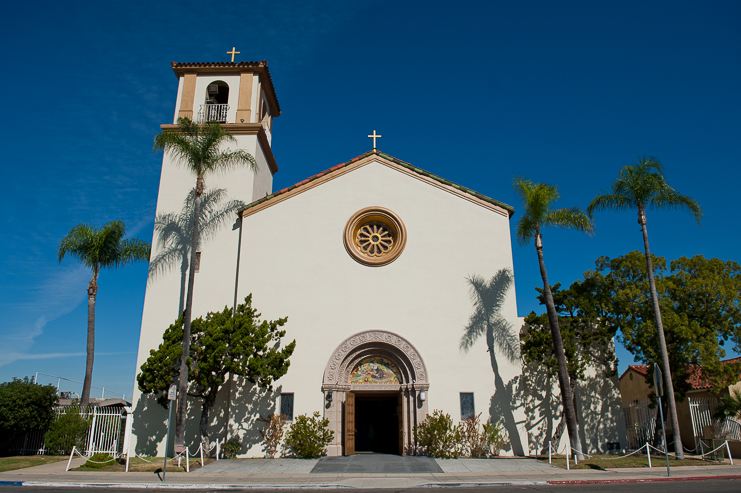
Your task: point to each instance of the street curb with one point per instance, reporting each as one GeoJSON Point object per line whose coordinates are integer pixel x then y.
{"type": "Point", "coordinates": [459, 484]}
{"type": "Point", "coordinates": [646, 480]}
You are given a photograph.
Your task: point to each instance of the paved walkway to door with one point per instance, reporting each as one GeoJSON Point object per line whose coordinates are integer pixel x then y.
{"type": "Point", "coordinates": [377, 464]}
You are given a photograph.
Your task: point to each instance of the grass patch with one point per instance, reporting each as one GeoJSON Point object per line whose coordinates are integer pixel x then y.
{"type": "Point", "coordinates": [137, 464]}
{"type": "Point", "coordinates": [609, 461]}
{"type": "Point", "coordinates": [23, 461]}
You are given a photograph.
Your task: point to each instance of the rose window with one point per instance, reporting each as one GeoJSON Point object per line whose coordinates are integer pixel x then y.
{"type": "Point", "coordinates": [375, 239]}
{"type": "Point", "coordinates": [375, 236]}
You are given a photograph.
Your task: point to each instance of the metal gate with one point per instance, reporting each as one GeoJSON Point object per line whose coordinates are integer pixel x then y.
{"type": "Point", "coordinates": [640, 423]}
{"type": "Point", "coordinates": [109, 432]}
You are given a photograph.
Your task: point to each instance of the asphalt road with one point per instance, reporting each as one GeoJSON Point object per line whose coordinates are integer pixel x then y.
{"type": "Point", "coordinates": [715, 486]}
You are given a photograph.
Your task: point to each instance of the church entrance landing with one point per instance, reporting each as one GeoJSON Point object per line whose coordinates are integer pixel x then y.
{"type": "Point", "coordinates": [377, 464]}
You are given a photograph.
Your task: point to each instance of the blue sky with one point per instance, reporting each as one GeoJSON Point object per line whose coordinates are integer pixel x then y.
{"type": "Point", "coordinates": [477, 92]}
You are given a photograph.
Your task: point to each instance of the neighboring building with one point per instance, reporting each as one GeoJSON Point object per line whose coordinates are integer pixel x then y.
{"type": "Point", "coordinates": [371, 260]}
{"type": "Point", "coordinates": [634, 389]}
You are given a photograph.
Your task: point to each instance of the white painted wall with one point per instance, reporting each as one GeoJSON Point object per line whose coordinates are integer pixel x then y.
{"type": "Point", "coordinates": [294, 262]}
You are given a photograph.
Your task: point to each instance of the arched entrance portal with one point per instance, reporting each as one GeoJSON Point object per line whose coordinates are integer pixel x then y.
{"type": "Point", "coordinates": [372, 386]}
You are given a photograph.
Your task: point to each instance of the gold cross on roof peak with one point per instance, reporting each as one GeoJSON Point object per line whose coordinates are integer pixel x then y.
{"type": "Point", "coordinates": [374, 137]}
{"type": "Point", "coordinates": [233, 52]}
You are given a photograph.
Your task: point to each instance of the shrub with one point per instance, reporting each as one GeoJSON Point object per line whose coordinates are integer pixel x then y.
{"type": "Point", "coordinates": [69, 430]}
{"type": "Point", "coordinates": [494, 437]}
{"type": "Point", "coordinates": [438, 435]}
{"type": "Point", "coordinates": [481, 441]}
{"type": "Point", "coordinates": [273, 433]}
{"type": "Point", "coordinates": [98, 461]}
{"type": "Point", "coordinates": [308, 436]}
{"type": "Point", "coordinates": [232, 448]}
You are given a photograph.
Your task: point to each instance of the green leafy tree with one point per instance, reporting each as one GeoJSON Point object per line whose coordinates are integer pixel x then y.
{"type": "Point", "coordinates": [24, 406]}
{"type": "Point", "coordinates": [67, 431]}
{"type": "Point", "coordinates": [699, 300]}
{"type": "Point", "coordinates": [729, 405]}
{"type": "Point", "coordinates": [199, 148]}
{"type": "Point", "coordinates": [99, 248]}
{"type": "Point", "coordinates": [221, 343]}
{"type": "Point", "coordinates": [537, 199]}
{"type": "Point", "coordinates": [587, 333]}
{"type": "Point", "coordinates": [642, 186]}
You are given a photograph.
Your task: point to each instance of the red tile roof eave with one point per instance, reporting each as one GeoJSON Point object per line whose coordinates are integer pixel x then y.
{"type": "Point", "coordinates": [695, 378]}
{"type": "Point", "coordinates": [504, 206]}
{"type": "Point", "coordinates": [642, 369]}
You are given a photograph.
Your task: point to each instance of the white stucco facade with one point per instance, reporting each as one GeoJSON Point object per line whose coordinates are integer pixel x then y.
{"type": "Point", "coordinates": [287, 250]}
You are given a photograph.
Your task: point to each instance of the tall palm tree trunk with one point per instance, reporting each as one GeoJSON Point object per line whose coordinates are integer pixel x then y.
{"type": "Point", "coordinates": [669, 387]}
{"type": "Point", "coordinates": [563, 372]}
{"type": "Point", "coordinates": [183, 382]}
{"type": "Point", "coordinates": [92, 292]}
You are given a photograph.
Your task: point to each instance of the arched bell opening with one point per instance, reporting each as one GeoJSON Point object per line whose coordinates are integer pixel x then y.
{"type": "Point", "coordinates": [216, 103]}
{"type": "Point", "coordinates": [374, 387]}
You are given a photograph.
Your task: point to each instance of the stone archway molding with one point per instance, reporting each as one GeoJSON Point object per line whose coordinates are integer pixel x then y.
{"type": "Point", "coordinates": [381, 342]}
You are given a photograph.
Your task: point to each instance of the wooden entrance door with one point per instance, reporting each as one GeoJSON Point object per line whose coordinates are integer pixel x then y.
{"type": "Point", "coordinates": [350, 423]}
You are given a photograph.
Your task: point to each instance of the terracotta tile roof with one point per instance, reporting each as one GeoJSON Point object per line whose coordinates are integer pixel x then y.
{"type": "Point", "coordinates": [406, 165]}
{"type": "Point", "coordinates": [236, 67]}
{"type": "Point", "coordinates": [642, 369]}
{"type": "Point", "coordinates": [696, 379]}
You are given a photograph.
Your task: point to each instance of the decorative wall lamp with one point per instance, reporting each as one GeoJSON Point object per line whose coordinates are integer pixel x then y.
{"type": "Point", "coordinates": [329, 396]}
{"type": "Point", "coordinates": [422, 395]}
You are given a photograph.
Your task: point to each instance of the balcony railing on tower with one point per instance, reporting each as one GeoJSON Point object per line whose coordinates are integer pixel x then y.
{"type": "Point", "coordinates": [213, 113]}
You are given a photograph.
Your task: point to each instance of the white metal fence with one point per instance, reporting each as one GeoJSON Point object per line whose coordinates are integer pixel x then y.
{"type": "Point", "coordinates": [640, 423]}
{"type": "Point", "coordinates": [702, 410]}
{"type": "Point", "coordinates": [109, 432]}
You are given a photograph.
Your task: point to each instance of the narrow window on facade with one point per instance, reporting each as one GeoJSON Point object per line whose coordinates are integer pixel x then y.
{"type": "Point", "coordinates": [467, 409]}
{"type": "Point", "coordinates": [286, 406]}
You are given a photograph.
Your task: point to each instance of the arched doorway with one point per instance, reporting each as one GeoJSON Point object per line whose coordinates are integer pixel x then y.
{"type": "Point", "coordinates": [372, 388]}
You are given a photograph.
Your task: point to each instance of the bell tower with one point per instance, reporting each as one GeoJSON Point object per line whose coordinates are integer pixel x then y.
{"type": "Point", "coordinates": [241, 97]}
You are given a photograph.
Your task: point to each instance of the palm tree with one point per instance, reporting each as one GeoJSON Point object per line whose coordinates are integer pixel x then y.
{"type": "Point", "coordinates": [537, 199]}
{"type": "Point", "coordinates": [198, 148]}
{"type": "Point", "coordinates": [98, 249]}
{"type": "Point", "coordinates": [642, 186]}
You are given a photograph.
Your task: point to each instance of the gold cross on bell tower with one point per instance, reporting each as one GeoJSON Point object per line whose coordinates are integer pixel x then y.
{"type": "Point", "coordinates": [233, 52]}
{"type": "Point", "coordinates": [374, 137]}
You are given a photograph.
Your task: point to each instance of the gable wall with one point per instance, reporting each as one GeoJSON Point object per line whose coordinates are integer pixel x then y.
{"type": "Point", "coordinates": [294, 262]}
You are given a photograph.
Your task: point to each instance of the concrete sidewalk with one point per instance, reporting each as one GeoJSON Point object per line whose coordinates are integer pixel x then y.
{"type": "Point", "coordinates": [287, 473]}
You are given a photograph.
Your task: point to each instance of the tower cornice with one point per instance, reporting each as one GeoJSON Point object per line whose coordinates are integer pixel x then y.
{"type": "Point", "coordinates": [245, 129]}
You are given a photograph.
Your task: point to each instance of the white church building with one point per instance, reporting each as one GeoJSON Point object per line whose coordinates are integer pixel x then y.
{"type": "Point", "coordinates": [374, 262]}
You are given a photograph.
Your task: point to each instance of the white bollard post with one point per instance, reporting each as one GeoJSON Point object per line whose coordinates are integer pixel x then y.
{"type": "Point", "coordinates": [568, 453]}
{"type": "Point", "coordinates": [187, 459]}
{"type": "Point", "coordinates": [728, 448]}
{"type": "Point", "coordinates": [217, 449]}
{"type": "Point", "coordinates": [70, 458]}
{"type": "Point", "coordinates": [202, 463]}
{"type": "Point", "coordinates": [648, 453]}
